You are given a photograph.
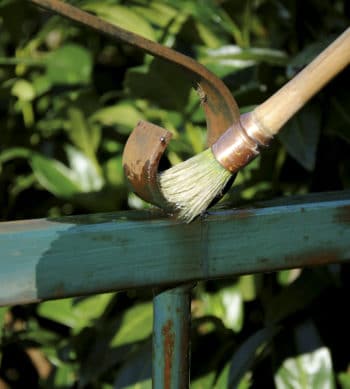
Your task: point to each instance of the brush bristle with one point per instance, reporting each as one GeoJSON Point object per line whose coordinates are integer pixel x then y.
{"type": "Point", "coordinates": [190, 186]}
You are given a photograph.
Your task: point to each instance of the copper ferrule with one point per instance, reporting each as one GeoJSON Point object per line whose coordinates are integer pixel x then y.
{"type": "Point", "coordinates": [241, 143]}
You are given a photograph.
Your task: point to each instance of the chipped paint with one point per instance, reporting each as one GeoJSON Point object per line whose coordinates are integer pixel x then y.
{"type": "Point", "coordinates": [342, 215]}
{"type": "Point", "coordinates": [244, 213]}
{"type": "Point", "coordinates": [59, 290]}
{"type": "Point", "coordinates": [313, 258]}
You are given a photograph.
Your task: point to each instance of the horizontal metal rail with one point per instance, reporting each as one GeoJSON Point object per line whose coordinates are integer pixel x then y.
{"type": "Point", "coordinates": [47, 259]}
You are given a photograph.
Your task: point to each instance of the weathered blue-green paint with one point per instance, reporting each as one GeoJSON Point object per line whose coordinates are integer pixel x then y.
{"type": "Point", "coordinates": [45, 259]}
{"type": "Point", "coordinates": [171, 338]}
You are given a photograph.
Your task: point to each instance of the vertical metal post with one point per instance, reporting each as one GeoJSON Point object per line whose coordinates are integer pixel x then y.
{"type": "Point", "coordinates": [171, 338]}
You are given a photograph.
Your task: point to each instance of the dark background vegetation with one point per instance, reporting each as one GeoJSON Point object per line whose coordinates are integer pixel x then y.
{"type": "Point", "coordinates": [68, 100]}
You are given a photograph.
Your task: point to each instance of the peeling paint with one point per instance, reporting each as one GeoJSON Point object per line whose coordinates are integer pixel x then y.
{"type": "Point", "coordinates": [244, 213]}
{"type": "Point", "coordinates": [59, 290]}
{"type": "Point", "coordinates": [343, 215]}
{"type": "Point", "coordinates": [313, 258]}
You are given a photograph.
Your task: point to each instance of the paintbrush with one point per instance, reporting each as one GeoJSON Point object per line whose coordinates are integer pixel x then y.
{"type": "Point", "coordinates": [191, 186]}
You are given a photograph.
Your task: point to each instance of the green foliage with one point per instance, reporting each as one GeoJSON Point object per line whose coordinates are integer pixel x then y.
{"type": "Point", "coordinates": [68, 65]}
{"type": "Point", "coordinates": [300, 373]}
{"type": "Point", "coordinates": [68, 100]}
{"type": "Point", "coordinates": [308, 369]}
{"type": "Point", "coordinates": [301, 135]}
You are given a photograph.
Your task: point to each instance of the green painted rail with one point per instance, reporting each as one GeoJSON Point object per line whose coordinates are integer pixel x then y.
{"type": "Point", "coordinates": [46, 259]}
{"type": "Point", "coordinates": [71, 256]}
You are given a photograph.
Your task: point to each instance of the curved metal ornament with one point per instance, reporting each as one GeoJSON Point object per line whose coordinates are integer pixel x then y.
{"type": "Point", "coordinates": [147, 142]}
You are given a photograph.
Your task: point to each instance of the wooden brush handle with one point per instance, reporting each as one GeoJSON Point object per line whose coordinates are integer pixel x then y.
{"type": "Point", "coordinates": [279, 108]}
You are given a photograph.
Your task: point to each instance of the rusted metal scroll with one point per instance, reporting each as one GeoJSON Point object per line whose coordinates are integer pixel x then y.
{"type": "Point", "coordinates": [144, 148]}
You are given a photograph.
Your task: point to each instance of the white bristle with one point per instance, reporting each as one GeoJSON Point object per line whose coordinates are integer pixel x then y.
{"type": "Point", "coordinates": [190, 186]}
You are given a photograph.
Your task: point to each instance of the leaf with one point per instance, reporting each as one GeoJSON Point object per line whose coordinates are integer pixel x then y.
{"type": "Point", "coordinates": [300, 136]}
{"type": "Point", "coordinates": [309, 370]}
{"type": "Point", "coordinates": [54, 176]}
{"type": "Point", "coordinates": [114, 172]}
{"type": "Point", "coordinates": [162, 83]}
{"type": "Point", "coordinates": [247, 287]}
{"type": "Point", "coordinates": [208, 37]}
{"type": "Point", "coordinates": [123, 17]}
{"type": "Point", "coordinates": [247, 352]}
{"type": "Point", "coordinates": [41, 85]}
{"type": "Point", "coordinates": [226, 304]}
{"type": "Point", "coordinates": [85, 137]}
{"type": "Point", "coordinates": [64, 376]}
{"type": "Point", "coordinates": [45, 338]}
{"type": "Point", "coordinates": [196, 137]}
{"type": "Point", "coordinates": [23, 90]}
{"type": "Point", "coordinates": [344, 380]}
{"type": "Point", "coordinates": [159, 14]}
{"type": "Point", "coordinates": [59, 311]}
{"type": "Point", "coordinates": [286, 277]}
{"type": "Point", "coordinates": [14, 152]}
{"type": "Point", "coordinates": [245, 382]}
{"type": "Point", "coordinates": [137, 325]}
{"type": "Point", "coordinates": [123, 115]}
{"type": "Point", "coordinates": [311, 365]}
{"type": "Point", "coordinates": [3, 3]}
{"type": "Point", "coordinates": [75, 314]}
{"type": "Point", "coordinates": [91, 308]}
{"type": "Point", "coordinates": [91, 344]}
{"type": "Point", "coordinates": [339, 118]}
{"type": "Point", "coordinates": [305, 56]}
{"type": "Point", "coordinates": [85, 171]}
{"type": "Point", "coordinates": [237, 57]}
{"type": "Point", "coordinates": [204, 382]}
{"type": "Point", "coordinates": [84, 175]}
{"type": "Point", "coordinates": [136, 372]}
{"type": "Point", "coordinates": [296, 296]}
{"type": "Point", "coordinates": [223, 380]}
{"type": "Point", "coordinates": [22, 183]}
{"type": "Point", "coordinates": [2, 320]}
{"type": "Point", "coordinates": [108, 358]}
{"type": "Point", "coordinates": [70, 64]}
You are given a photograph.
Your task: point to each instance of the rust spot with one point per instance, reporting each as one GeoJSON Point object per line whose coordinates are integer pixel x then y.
{"type": "Point", "coordinates": [59, 290]}
{"type": "Point", "coordinates": [313, 258]}
{"type": "Point", "coordinates": [343, 215]}
{"type": "Point", "coordinates": [169, 340]}
{"type": "Point", "coordinates": [244, 213]}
